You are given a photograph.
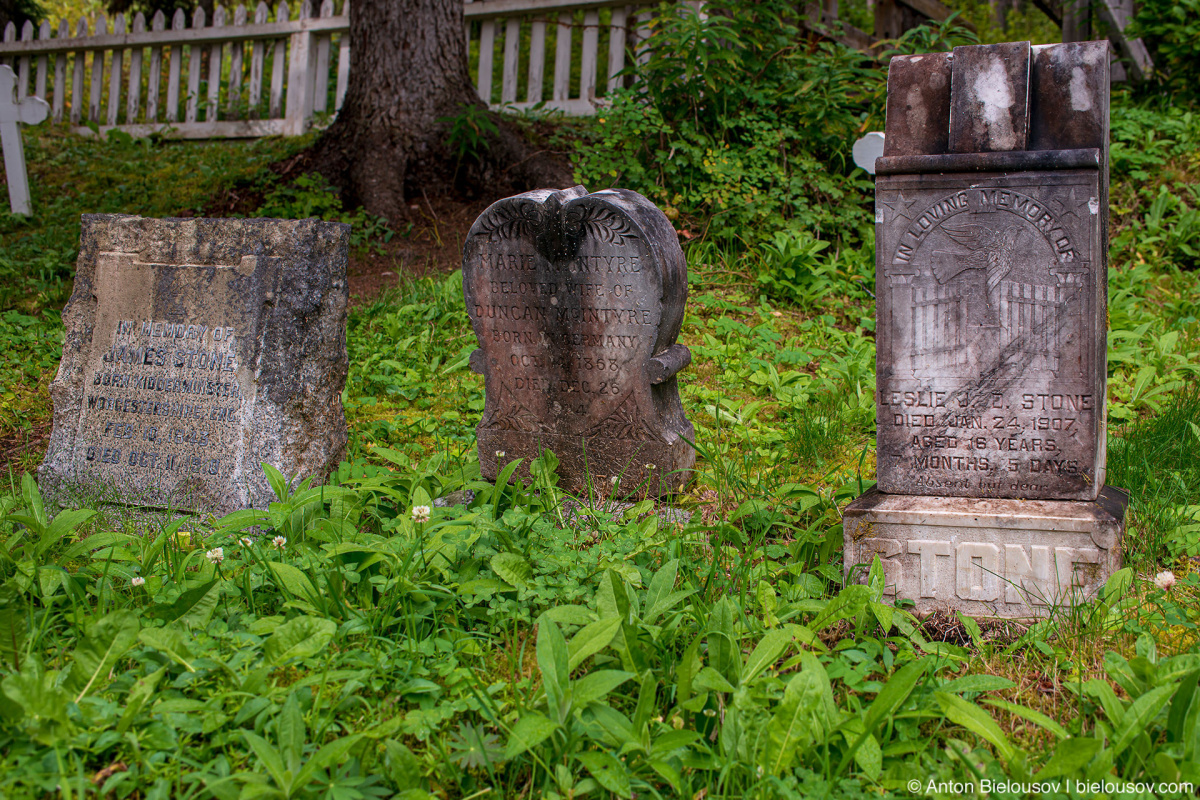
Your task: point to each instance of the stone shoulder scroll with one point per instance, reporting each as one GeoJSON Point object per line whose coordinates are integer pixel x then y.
{"type": "Point", "coordinates": [576, 300]}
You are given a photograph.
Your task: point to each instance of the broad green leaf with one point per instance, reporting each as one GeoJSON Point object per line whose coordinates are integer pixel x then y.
{"type": "Point", "coordinates": [269, 757]}
{"type": "Point", "coordinates": [1036, 717]}
{"type": "Point", "coordinates": [171, 642]}
{"type": "Point", "coordinates": [766, 653]}
{"type": "Point", "coordinates": [596, 685]}
{"type": "Point", "coordinates": [591, 639]}
{"type": "Point", "coordinates": [552, 662]}
{"type": "Point", "coordinates": [35, 691]}
{"type": "Point", "coordinates": [13, 623]}
{"type": "Point", "coordinates": [801, 717]}
{"type": "Point", "coordinates": [1114, 709]}
{"type": "Point", "coordinates": [291, 733]}
{"type": "Point", "coordinates": [608, 772]}
{"type": "Point", "coordinates": [531, 730]}
{"type": "Point", "coordinates": [512, 569]}
{"type": "Point", "coordinates": [660, 586]}
{"type": "Point", "coordinates": [301, 637]}
{"type": "Point", "coordinates": [1138, 716]}
{"type": "Point", "coordinates": [569, 615]}
{"type": "Point", "coordinates": [402, 766]}
{"type": "Point", "coordinates": [1069, 757]}
{"type": "Point", "coordinates": [106, 641]}
{"type": "Point", "coordinates": [138, 696]}
{"type": "Point", "coordinates": [293, 579]}
{"type": "Point", "coordinates": [869, 757]}
{"type": "Point", "coordinates": [333, 753]}
{"type": "Point", "coordinates": [976, 683]}
{"type": "Point", "coordinates": [976, 720]}
{"type": "Point", "coordinates": [193, 608]}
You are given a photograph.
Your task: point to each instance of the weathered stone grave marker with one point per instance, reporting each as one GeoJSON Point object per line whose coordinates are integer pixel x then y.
{"type": "Point", "coordinates": [991, 275]}
{"type": "Point", "coordinates": [195, 351]}
{"type": "Point", "coordinates": [576, 300]}
{"type": "Point", "coordinates": [29, 111]}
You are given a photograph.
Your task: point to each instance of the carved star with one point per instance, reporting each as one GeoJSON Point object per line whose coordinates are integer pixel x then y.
{"type": "Point", "coordinates": [899, 206]}
{"type": "Point", "coordinates": [1070, 204]}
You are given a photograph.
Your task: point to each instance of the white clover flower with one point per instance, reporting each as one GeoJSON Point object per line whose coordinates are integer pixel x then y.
{"type": "Point", "coordinates": [138, 580]}
{"type": "Point", "coordinates": [1165, 580]}
{"type": "Point", "coordinates": [279, 542]}
{"type": "Point", "coordinates": [420, 514]}
{"type": "Point", "coordinates": [500, 454]}
{"type": "Point", "coordinates": [216, 555]}
{"type": "Point", "coordinates": [614, 480]}
{"type": "Point", "coordinates": [246, 541]}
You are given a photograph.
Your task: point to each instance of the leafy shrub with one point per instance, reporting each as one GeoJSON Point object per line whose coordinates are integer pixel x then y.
{"type": "Point", "coordinates": [738, 118]}
{"type": "Point", "coordinates": [1171, 29]}
{"type": "Point", "coordinates": [311, 196]}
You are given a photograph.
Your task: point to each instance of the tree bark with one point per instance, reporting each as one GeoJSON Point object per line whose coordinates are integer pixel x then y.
{"type": "Point", "coordinates": [391, 139]}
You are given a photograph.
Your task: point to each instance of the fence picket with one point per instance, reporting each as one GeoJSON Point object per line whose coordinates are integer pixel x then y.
{"type": "Point", "coordinates": [512, 58]}
{"type": "Point", "coordinates": [193, 98]}
{"type": "Point", "coordinates": [616, 48]}
{"type": "Point", "coordinates": [10, 35]}
{"type": "Point", "coordinates": [216, 54]}
{"type": "Point", "coordinates": [562, 58]}
{"type": "Point", "coordinates": [60, 72]}
{"type": "Point", "coordinates": [487, 48]}
{"type": "Point", "coordinates": [537, 60]}
{"type": "Point", "coordinates": [133, 103]}
{"type": "Point", "coordinates": [321, 86]}
{"type": "Point", "coordinates": [81, 31]}
{"type": "Point", "coordinates": [23, 63]}
{"type": "Point", "coordinates": [589, 56]}
{"type": "Point", "coordinates": [254, 93]}
{"type": "Point", "coordinates": [42, 62]}
{"type": "Point", "coordinates": [154, 78]}
{"type": "Point", "coordinates": [177, 24]}
{"type": "Point", "coordinates": [279, 63]}
{"type": "Point", "coordinates": [226, 57]}
{"type": "Point", "coordinates": [97, 92]}
{"type": "Point", "coordinates": [343, 77]}
{"type": "Point", "coordinates": [233, 90]}
{"type": "Point", "coordinates": [116, 71]}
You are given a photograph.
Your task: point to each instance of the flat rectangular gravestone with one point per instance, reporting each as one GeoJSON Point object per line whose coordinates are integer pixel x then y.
{"type": "Point", "coordinates": [576, 300]}
{"type": "Point", "coordinates": [196, 350]}
{"type": "Point", "coordinates": [991, 278]}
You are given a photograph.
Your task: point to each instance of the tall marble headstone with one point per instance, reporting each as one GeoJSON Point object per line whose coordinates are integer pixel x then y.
{"type": "Point", "coordinates": [197, 350]}
{"type": "Point", "coordinates": [991, 275]}
{"type": "Point", "coordinates": [576, 300]}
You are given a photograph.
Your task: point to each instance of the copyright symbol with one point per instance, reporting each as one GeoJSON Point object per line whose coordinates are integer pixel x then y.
{"type": "Point", "coordinates": [914, 786]}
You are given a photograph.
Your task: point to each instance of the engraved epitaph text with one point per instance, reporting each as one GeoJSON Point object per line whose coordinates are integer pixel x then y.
{"type": "Point", "coordinates": [576, 300]}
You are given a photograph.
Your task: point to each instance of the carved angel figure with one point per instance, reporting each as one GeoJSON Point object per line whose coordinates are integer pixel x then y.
{"type": "Point", "coordinates": [991, 249]}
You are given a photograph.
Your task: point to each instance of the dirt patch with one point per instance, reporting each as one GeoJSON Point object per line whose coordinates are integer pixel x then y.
{"type": "Point", "coordinates": [429, 243]}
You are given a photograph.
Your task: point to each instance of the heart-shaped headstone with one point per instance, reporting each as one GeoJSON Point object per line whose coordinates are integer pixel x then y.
{"type": "Point", "coordinates": [576, 300]}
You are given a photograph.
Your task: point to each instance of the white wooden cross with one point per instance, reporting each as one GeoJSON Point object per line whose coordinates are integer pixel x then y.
{"type": "Point", "coordinates": [31, 111]}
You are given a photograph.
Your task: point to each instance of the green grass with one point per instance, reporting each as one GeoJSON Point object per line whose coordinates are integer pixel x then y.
{"type": "Point", "coordinates": [534, 644]}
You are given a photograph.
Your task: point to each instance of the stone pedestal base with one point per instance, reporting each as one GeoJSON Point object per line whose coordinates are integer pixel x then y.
{"type": "Point", "coordinates": [985, 557]}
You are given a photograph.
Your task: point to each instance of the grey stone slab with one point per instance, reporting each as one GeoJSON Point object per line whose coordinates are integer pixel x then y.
{"type": "Point", "coordinates": [1068, 103]}
{"type": "Point", "coordinates": [1004, 558]}
{"type": "Point", "coordinates": [576, 300]}
{"type": "Point", "coordinates": [917, 119]}
{"type": "Point", "coordinates": [195, 351]}
{"type": "Point", "coordinates": [989, 98]}
{"type": "Point", "coordinates": [991, 330]}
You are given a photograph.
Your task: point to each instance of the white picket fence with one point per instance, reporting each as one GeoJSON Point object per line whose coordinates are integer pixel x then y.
{"type": "Point", "coordinates": [274, 74]}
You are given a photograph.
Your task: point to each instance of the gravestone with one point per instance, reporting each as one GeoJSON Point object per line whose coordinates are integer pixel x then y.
{"type": "Point", "coordinates": [576, 300]}
{"type": "Point", "coordinates": [991, 283]}
{"type": "Point", "coordinates": [29, 111]}
{"type": "Point", "coordinates": [196, 350]}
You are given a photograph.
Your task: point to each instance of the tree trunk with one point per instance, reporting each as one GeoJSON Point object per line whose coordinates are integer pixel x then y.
{"type": "Point", "coordinates": [392, 139]}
